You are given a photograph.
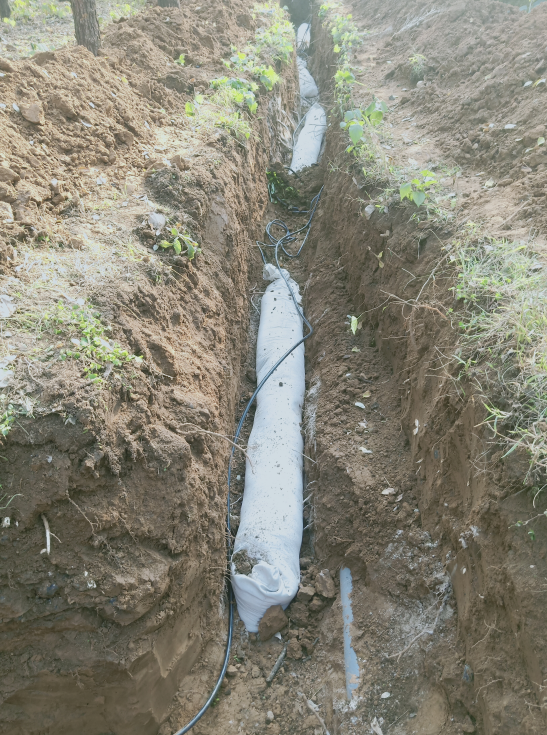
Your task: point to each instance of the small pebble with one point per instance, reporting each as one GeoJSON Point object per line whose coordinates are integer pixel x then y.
{"type": "Point", "coordinates": [269, 716]}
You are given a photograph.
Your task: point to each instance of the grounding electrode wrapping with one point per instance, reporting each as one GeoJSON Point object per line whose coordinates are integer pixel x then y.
{"type": "Point", "coordinates": [268, 540]}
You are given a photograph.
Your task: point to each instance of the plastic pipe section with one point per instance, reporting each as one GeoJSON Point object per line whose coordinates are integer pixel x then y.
{"type": "Point", "coordinates": [350, 658]}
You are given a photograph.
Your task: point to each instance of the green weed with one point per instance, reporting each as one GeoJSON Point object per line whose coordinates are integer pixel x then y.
{"type": "Point", "coordinates": [220, 111]}
{"type": "Point", "coordinates": [417, 67]}
{"type": "Point", "coordinates": [279, 188]}
{"type": "Point", "coordinates": [419, 188]}
{"type": "Point", "coordinates": [239, 91]}
{"type": "Point", "coordinates": [274, 41]}
{"type": "Point", "coordinates": [249, 64]}
{"type": "Point", "coordinates": [86, 332]}
{"type": "Point", "coordinates": [180, 239]}
{"type": "Point", "coordinates": [3, 498]}
{"type": "Point", "coordinates": [355, 121]}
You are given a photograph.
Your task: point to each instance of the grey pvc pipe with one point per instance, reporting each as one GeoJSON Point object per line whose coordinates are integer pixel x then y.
{"type": "Point", "coordinates": [350, 658]}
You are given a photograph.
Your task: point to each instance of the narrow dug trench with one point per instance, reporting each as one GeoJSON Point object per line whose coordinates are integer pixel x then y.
{"type": "Point", "coordinates": [126, 625]}
{"type": "Point", "coordinates": [403, 488]}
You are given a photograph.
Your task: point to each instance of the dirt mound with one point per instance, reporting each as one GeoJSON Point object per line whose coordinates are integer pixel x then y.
{"type": "Point", "coordinates": [121, 361]}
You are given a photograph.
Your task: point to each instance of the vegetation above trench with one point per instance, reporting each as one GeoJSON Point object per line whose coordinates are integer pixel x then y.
{"type": "Point", "coordinates": [500, 320]}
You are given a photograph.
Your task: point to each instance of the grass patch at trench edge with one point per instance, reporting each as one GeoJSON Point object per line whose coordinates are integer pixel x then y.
{"type": "Point", "coordinates": [503, 341]}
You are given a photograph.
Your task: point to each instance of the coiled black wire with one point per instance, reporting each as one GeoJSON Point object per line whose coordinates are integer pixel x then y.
{"type": "Point", "coordinates": [285, 239]}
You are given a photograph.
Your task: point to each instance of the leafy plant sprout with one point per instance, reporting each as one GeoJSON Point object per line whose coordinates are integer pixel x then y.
{"type": "Point", "coordinates": [418, 189]}
{"type": "Point", "coordinates": [179, 240]}
{"type": "Point", "coordinates": [417, 68]}
{"type": "Point", "coordinates": [87, 334]}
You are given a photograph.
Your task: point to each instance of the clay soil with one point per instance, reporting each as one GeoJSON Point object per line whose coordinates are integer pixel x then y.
{"type": "Point", "coordinates": [121, 627]}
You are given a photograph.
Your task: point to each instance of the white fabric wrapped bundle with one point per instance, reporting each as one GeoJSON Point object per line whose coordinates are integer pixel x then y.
{"type": "Point", "coordinates": [308, 87]}
{"type": "Point", "coordinates": [270, 529]}
{"type": "Point", "coordinates": [308, 146]}
{"type": "Point", "coordinates": [303, 37]}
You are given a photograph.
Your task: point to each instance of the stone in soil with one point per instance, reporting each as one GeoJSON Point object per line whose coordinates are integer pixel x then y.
{"type": "Point", "coordinates": [273, 620]}
{"type": "Point", "coordinates": [305, 593]}
{"type": "Point", "coordinates": [324, 584]}
{"type": "Point", "coordinates": [33, 112]}
{"type": "Point", "coordinates": [294, 649]}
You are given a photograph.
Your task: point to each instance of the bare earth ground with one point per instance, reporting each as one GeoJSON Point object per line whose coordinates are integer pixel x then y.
{"type": "Point", "coordinates": [447, 598]}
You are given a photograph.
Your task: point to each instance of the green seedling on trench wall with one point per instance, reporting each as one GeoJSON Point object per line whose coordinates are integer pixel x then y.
{"type": "Point", "coordinates": [246, 62]}
{"type": "Point", "coordinates": [417, 190]}
{"type": "Point", "coordinates": [356, 120]}
{"type": "Point", "coordinates": [177, 243]}
{"type": "Point", "coordinates": [417, 66]}
{"type": "Point", "coordinates": [88, 336]}
{"type": "Point", "coordinates": [237, 90]}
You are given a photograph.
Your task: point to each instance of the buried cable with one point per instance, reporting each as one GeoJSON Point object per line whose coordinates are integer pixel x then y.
{"type": "Point", "coordinates": [285, 239]}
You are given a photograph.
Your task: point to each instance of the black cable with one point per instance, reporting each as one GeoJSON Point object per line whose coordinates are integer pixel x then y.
{"type": "Point", "coordinates": [280, 243]}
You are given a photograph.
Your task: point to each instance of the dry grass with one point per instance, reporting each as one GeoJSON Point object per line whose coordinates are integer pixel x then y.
{"type": "Point", "coordinates": [503, 345]}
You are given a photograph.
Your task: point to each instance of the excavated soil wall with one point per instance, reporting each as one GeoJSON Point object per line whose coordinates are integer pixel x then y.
{"type": "Point", "coordinates": [468, 497]}
{"type": "Point", "coordinates": [130, 476]}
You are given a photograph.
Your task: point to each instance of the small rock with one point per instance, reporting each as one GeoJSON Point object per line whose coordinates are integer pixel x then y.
{"type": "Point", "coordinates": [369, 211]}
{"type": "Point", "coordinates": [317, 604]}
{"type": "Point", "coordinates": [305, 593]}
{"type": "Point", "coordinates": [467, 675]}
{"type": "Point", "coordinates": [505, 182]}
{"type": "Point", "coordinates": [6, 212]}
{"type": "Point", "coordinates": [76, 243]}
{"type": "Point", "coordinates": [255, 672]}
{"type": "Point", "coordinates": [273, 620]}
{"type": "Point", "coordinates": [5, 65]}
{"type": "Point", "coordinates": [25, 216]}
{"type": "Point", "coordinates": [270, 716]}
{"type": "Point", "coordinates": [7, 175]}
{"type": "Point", "coordinates": [307, 645]}
{"type": "Point", "coordinates": [324, 584]}
{"type": "Point", "coordinates": [33, 112]}
{"type": "Point", "coordinates": [299, 613]}
{"type": "Point", "coordinates": [305, 562]}
{"type": "Point", "coordinates": [294, 649]}
{"type": "Point", "coordinates": [467, 725]}
{"type": "Point", "coordinates": [181, 163]}
{"type": "Point", "coordinates": [65, 105]}
{"type": "Point", "coordinates": [7, 193]}
{"type": "Point", "coordinates": [231, 671]}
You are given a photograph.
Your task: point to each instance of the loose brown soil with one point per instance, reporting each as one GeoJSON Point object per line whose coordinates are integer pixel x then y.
{"type": "Point", "coordinates": [122, 627]}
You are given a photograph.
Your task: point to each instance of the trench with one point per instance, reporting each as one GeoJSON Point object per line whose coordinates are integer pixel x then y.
{"type": "Point", "coordinates": [378, 637]}
{"type": "Point", "coordinates": [350, 541]}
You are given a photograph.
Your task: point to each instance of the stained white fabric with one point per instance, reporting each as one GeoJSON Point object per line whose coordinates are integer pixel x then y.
{"type": "Point", "coordinates": [303, 37]}
{"type": "Point", "coordinates": [308, 87]}
{"type": "Point", "coordinates": [308, 146]}
{"type": "Point", "coordinates": [270, 529]}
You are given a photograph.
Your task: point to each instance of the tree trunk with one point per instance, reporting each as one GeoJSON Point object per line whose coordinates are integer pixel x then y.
{"type": "Point", "coordinates": [86, 24]}
{"type": "Point", "coordinates": [165, 3]}
{"type": "Point", "coordinates": [5, 11]}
